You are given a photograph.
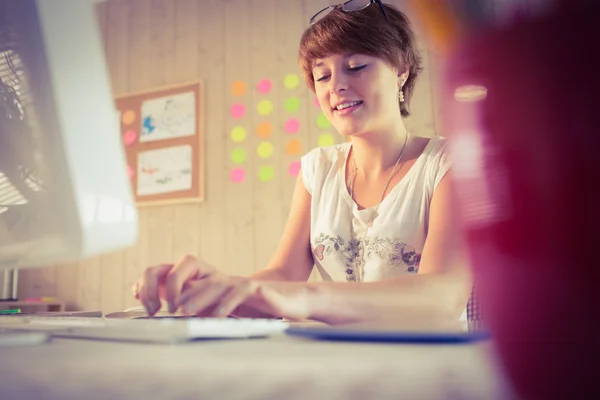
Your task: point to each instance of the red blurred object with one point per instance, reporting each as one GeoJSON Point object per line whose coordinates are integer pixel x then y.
{"type": "Point", "coordinates": [521, 111]}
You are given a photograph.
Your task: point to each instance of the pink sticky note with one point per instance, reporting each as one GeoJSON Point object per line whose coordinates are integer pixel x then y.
{"type": "Point", "coordinates": [238, 110]}
{"type": "Point", "coordinates": [129, 137]}
{"type": "Point", "coordinates": [130, 172]}
{"type": "Point", "coordinates": [237, 175]}
{"type": "Point", "coordinates": [264, 86]}
{"type": "Point", "coordinates": [291, 126]}
{"type": "Point", "coordinates": [316, 100]}
{"type": "Point", "coordinates": [294, 168]}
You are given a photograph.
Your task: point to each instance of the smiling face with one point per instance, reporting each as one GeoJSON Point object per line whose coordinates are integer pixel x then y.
{"type": "Point", "coordinates": [357, 93]}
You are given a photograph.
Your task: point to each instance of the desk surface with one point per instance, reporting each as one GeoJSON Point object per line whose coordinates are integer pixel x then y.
{"type": "Point", "coordinates": [264, 369]}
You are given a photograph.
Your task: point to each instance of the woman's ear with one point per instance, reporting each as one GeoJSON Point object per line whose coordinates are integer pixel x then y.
{"type": "Point", "coordinates": [402, 78]}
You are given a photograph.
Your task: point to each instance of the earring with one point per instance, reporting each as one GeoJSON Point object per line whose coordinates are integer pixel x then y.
{"type": "Point", "coordinates": [400, 95]}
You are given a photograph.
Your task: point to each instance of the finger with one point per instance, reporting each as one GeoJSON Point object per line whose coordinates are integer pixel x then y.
{"type": "Point", "coordinates": [148, 289]}
{"type": "Point", "coordinates": [199, 299]}
{"type": "Point", "coordinates": [187, 269]}
{"type": "Point", "coordinates": [233, 299]}
{"type": "Point", "coordinates": [135, 290]}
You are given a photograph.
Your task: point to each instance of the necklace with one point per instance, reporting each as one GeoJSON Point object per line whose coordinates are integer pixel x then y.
{"type": "Point", "coordinates": [350, 274]}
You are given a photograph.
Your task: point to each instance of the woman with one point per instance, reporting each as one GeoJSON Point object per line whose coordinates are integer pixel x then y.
{"type": "Point", "coordinates": [376, 210]}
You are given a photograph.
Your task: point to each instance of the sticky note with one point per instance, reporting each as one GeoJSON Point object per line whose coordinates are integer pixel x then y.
{"type": "Point", "coordinates": [238, 88]}
{"type": "Point", "coordinates": [238, 155]}
{"type": "Point", "coordinates": [264, 107]}
{"type": "Point", "coordinates": [293, 147]}
{"type": "Point", "coordinates": [264, 86]}
{"type": "Point", "coordinates": [264, 129]}
{"type": "Point", "coordinates": [130, 137]}
{"type": "Point", "coordinates": [291, 81]}
{"type": "Point", "coordinates": [130, 172]}
{"type": "Point", "coordinates": [238, 134]}
{"type": "Point", "coordinates": [294, 168]}
{"type": "Point", "coordinates": [326, 139]}
{"type": "Point", "coordinates": [266, 173]}
{"type": "Point", "coordinates": [292, 104]}
{"type": "Point", "coordinates": [237, 175]}
{"type": "Point", "coordinates": [291, 126]}
{"type": "Point", "coordinates": [128, 117]}
{"type": "Point", "coordinates": [323, 122]}
{"type": "Point", "coordinates": [238, 110]}
{"type": "Point", "coordinates": [265, 150]}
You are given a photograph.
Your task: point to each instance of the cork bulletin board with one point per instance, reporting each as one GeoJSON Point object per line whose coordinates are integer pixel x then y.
{"type": "Point", "coordinates": [162, 132]}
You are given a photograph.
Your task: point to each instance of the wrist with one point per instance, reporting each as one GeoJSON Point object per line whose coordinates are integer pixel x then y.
{"type": "Point", "coordinates": [315, 299]}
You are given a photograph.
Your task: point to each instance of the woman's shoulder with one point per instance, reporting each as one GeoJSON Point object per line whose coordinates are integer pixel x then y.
{"type": "Point", "coordinates": [436, 146]}
{"type": "Point", "coordinates": [326, 155]}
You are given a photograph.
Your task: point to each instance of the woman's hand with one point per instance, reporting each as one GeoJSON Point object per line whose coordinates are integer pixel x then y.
{"type": "Point", "coordinates": [199, 289]}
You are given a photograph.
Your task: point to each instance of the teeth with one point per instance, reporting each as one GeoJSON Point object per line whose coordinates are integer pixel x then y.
{"type": "Point", "coordinates": [346, 105]}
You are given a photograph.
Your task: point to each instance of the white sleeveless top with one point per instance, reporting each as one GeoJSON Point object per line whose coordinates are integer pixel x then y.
{"type": "Point", "coordinates": [395, 241]}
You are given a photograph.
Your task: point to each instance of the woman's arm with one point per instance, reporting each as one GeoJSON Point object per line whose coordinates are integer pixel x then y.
{"type": "Point", "coordinates": [292, 260]}
{"type": "Point", "coordinates": [440, 289]}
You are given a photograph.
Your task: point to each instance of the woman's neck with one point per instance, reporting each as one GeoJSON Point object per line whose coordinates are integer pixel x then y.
{"type": "Point", "coordinates": [375, 153]}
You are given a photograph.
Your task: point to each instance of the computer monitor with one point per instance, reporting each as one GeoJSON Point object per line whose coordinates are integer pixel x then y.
{"type": "Point", "coordinates": [64, 190]}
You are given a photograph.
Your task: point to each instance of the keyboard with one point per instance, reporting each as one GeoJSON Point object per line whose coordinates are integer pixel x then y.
{"type": "Point", "coordinates": [161, 329]}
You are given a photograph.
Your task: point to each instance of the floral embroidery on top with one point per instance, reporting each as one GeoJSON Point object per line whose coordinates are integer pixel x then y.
{"type": "Point", "coordinates": [392, 253]}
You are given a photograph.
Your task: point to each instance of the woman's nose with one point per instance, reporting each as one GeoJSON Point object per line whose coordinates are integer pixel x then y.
{"type": "Point", "coordinates": [338, 83]}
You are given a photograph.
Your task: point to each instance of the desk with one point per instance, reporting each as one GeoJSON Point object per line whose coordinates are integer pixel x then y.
{"type": "Point", "coordinates": [274, 368]}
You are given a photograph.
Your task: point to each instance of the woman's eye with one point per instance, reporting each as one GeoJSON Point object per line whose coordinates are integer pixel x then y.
{"type": "Point", "coordinates": [355, 69]}
{"type": "Point", "coordinates": [321, 79]}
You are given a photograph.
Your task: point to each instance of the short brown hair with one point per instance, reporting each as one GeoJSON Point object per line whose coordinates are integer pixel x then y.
{"type": "Point", "coordinates": [364, 32]}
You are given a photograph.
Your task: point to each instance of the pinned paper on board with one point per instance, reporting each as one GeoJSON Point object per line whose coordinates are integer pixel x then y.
{"type": "Point", "coordinates": [162, 134]}
{"type": "Point", "coordinates": [169, 117]}
{"type": "Point", "coordinates": [164, 170]}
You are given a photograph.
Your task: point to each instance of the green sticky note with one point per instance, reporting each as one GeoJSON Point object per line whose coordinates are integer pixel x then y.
{"type": "Point", "coordinates": [292, 104]}
{"type": "Point", "coordinates": [238, 155]}
{"type": "Point", "coordinates": [323, 122]}
{"type": "Point", "coordinates": [326, 139]}
{"type": "Point", "coordinates": [264, 107]}
{"type": "Point", "coordinates": [266, 173]}
{"type": "Point", "coordinates": [238, 134]}
{"type": "Point", "coordinates": [291, 81]}
{"type": "Point", "coordinates": [265, 150]}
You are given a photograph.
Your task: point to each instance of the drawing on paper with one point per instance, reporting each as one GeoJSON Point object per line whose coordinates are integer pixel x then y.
{"type": "Point", "coordinates": [169, 117]}
{"type": "Point", "coordinates": [164, 170]}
